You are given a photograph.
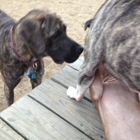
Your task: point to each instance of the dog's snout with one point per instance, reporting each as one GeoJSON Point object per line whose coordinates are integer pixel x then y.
{"type": "Point", "coordinates": [79, 50]}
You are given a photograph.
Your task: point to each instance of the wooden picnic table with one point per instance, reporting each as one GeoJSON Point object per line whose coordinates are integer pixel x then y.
{"type": "Point", "coordinates": [47, 113]}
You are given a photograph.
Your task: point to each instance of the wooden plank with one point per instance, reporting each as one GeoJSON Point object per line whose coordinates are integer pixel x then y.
{"type": "Point", "coordinates": [6, 133]}
{"type": "Point", "coordinates": [68, 77]}
{"type": "Point", "coordinates": [79, 114]}
{"type": "Point", "coordinates": [77, 64]}
{"type": "Point", "coordinates": [36, 122]}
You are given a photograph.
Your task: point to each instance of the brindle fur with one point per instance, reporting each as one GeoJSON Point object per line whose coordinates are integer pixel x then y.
{"type": "Point", "coordinates": [113, 40]}
{"type": "Point", "coordinates": [38, 34]}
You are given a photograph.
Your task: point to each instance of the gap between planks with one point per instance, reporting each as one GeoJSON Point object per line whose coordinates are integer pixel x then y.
{"type": "Point", "coordinates": [55, 98]}
{"type": "Point", "coordinates": [61, 117]}
{"type": "Point", "coordinates": [7, 132]}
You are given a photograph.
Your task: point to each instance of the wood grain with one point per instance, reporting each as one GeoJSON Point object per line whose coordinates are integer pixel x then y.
{"type": "Point", "coordinates": [6, 133]}
{"type": "Point", "coordinates": [68, 77]}
{"type": "Point", "coordinates": [79, 114]}
{"type": "Point", "coordinates": [35, 122]}
{"type": "Point", "coordinates": [47, 113]}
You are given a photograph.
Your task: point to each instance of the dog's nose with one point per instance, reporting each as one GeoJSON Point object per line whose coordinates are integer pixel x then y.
{"type": "Point", "coordinates": [79, 50]}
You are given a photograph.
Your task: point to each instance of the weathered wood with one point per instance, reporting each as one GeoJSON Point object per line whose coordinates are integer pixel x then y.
{"type": "Point", "coordinates": [48, 114]}
{"type": "Point", "coordinates": [67, 77]}
{"type": "Point", "coordinates": [6, 133]}
{"type": "Point", "coordinates": [36, 122]}
{"type": "Point", "coordinates": [79, 114]}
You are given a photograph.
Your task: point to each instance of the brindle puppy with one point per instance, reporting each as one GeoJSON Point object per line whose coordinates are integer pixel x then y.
{"type": "Point", "coordinates": [114, 41]}
{"type": "Point", "coordinates": [23, 44]}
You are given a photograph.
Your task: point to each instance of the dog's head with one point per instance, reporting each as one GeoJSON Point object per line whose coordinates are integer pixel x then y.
{"type": "Point", "coordinates": [44, 34]}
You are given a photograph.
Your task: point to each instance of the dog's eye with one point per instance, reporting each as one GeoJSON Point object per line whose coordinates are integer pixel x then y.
{"type": "Point", "coordinates": [56, 36]}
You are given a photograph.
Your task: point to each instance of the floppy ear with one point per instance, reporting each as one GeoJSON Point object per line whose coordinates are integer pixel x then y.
{"type": "Point", "coordinates": [50, 24]}
{"type": "Point", "coordinates": [31, 34]}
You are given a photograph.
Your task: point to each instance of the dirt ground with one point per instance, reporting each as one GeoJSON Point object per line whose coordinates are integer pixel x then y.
{"type": "Point", "coordinates": [73, 12]}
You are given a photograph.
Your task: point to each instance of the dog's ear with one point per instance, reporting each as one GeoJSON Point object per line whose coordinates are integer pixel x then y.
{"type": "Point", "coordinates": [87, 24]}
{"type": "Point", "coordinates": [51, 26]}
{"type": "Point", "coordinates": [31, 34]}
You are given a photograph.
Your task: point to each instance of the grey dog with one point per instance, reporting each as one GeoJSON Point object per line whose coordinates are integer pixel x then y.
{"type": "Point", "coordinates": [114, 41]}
{"type": "Point", "coordinates": [23, 45]}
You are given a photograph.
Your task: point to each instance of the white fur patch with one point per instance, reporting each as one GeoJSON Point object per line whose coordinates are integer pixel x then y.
{"type": "Point", "coordinates": [26, 73]}
{"type": "Point", "coordinates": [71, 92]}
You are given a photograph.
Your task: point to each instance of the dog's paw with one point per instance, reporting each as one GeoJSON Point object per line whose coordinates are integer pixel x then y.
{"type": "Point", "coordinates": [72, 93]}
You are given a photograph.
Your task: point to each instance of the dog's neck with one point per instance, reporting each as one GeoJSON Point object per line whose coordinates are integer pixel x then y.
{"type": "Point", "coordinates": [16, 48]}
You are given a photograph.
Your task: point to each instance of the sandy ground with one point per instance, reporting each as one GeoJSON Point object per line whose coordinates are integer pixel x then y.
{"type": "Point", "coordinates": [73, 12]}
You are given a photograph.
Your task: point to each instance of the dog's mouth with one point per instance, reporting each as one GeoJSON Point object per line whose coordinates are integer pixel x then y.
{"type": "Point", "coordinates": [73, 55]}
{"type": "Point", "coordinates": [58, 61]}
{"type": "Point", "coordinates": [71, 59]}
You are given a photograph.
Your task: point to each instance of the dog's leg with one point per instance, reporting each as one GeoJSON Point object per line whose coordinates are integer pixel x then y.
{"type": "Point", "coordinates": [40, 71]}
{"type": "Point", "coordinates": [9, 85]}
{"type": "Point", "coordinates": [86, 77]}
{"type": "Point", "coordinates": [9, 93]}
{"type": "Point", "coordinates": [93, 56]}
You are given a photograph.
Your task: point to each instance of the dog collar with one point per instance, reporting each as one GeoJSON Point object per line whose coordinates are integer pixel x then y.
{"type": "Point", "coordinates": [17, 53]}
